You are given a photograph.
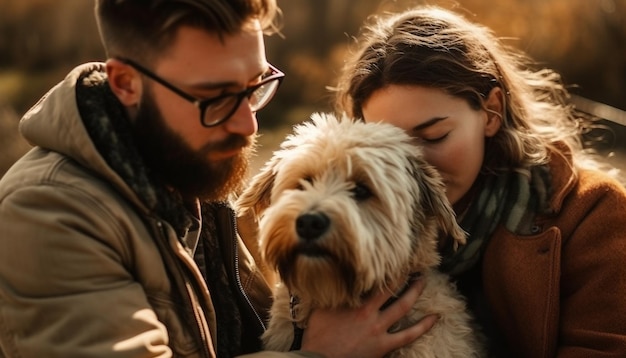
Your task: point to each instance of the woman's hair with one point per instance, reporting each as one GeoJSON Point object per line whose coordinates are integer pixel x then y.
{"type": "Point", "coordinates": [433, 47]}
{"type": "Point", "coordinates": [143, 29]}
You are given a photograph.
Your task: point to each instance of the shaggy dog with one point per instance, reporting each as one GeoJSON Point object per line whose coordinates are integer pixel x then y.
{"type": "Point", "coordinates": [348, 208]}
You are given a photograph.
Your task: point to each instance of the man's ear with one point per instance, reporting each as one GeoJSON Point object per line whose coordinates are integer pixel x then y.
{"type": "Point", "coordinates": [125, 82]}
{"type": "Point", "coordinates": [494, 106]}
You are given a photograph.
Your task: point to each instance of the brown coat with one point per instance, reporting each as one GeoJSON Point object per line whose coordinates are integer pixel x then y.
{"type": "Point", "coordinates": [562, 293]}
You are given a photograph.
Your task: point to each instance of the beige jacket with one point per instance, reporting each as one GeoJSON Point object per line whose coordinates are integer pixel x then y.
{"type": "Point", "coordinates": [86, 270]}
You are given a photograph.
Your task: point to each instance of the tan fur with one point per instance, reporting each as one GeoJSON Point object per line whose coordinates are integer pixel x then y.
{"type": "Point", "coordinates": [372, 243]}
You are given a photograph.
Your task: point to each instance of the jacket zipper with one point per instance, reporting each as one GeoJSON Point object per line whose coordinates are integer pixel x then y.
{"type": "Point", "coordinates": [237, 277]}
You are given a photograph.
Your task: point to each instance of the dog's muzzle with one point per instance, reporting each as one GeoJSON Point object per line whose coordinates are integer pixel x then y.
{"type": "Point", "coordinates": [311, 226]}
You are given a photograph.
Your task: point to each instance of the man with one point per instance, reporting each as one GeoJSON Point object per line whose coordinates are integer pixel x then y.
{"type": "Point", "coordinates": [116, 236]}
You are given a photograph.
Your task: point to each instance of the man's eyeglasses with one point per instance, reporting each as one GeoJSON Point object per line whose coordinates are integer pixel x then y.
{"type": "Point", "coordinates": [217, 110]}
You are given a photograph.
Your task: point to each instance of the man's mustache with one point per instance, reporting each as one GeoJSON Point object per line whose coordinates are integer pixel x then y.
{"type": "Point", "coordinates": [232, 142]}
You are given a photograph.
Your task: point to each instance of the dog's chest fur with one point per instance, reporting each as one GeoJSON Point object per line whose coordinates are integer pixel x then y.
{"type": "Point", "coordinates": [454, 335]}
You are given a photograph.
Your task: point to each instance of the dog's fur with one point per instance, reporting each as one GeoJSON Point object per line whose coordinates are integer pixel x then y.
{"type": "Point", "coordinates": [346, 209]}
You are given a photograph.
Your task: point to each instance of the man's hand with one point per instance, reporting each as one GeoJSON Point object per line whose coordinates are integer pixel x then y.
{"type": "Point", "coordinates": [363, 332]}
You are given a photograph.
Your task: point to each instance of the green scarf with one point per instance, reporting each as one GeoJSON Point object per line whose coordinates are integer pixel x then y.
{"type": "Point", "coordinates": [512, 199]}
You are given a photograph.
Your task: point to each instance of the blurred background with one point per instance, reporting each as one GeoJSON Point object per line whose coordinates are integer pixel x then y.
{"type": "Point", "coordinates": [585, 40]}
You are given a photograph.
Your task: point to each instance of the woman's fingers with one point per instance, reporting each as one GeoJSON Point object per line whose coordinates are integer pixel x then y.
{"type": "Point", "coordinates": [364, 331]}
{"type": "Point", "coordinates": [402, 304]}
{"type": "Point", "coordinates": [406, 336]}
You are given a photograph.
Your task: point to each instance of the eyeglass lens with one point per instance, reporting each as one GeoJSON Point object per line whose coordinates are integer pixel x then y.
{"type": "Point", "coordinates": [258, 97]}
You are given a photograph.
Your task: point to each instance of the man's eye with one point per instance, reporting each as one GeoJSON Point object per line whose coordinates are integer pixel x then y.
{"type": "Point", "coordinates": [361, 192]}
{"type": "Point", "coordinates": [224, 102]}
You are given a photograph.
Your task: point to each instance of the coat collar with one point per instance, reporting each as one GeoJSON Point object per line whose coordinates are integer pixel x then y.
{"type": "Point", "coordinates": [564, 176]}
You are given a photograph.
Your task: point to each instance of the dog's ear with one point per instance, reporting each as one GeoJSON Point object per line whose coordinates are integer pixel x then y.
{"type": "Point", "coordinates": [434, 201]}
{"type": "Point", "coordinates": [257, 194]}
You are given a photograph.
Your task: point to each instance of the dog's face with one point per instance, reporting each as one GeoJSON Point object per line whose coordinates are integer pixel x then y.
{"type": "Point", "coordinates": [347, 207]}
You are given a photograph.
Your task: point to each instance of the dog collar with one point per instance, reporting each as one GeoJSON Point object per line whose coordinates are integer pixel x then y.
{"type": "Point", "coordinates": [298, 332]}
{"type": "Point", "coordinates": [392, 299]}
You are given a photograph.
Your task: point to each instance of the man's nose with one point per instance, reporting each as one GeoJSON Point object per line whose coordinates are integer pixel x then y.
{"type": "Point", "coordinates": [243, 121]}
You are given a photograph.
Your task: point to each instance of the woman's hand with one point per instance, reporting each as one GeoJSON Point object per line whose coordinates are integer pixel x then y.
{"type": "Point", "coordinates": [363, 332]}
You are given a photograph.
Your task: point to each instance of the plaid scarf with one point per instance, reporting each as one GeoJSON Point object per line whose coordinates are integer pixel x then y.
{"type": "Point", "coordinates": [512, 199]}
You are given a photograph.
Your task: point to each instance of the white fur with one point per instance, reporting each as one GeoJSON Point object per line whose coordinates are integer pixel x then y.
{"type": "Point", "coordinates": [372, 242]}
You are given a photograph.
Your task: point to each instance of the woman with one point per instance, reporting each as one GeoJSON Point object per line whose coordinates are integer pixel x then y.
{"type": "Point", "coordinates": [543, 270]}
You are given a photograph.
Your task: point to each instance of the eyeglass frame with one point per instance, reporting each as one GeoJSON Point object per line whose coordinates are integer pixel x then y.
{"type": "Point", "coordinates": [203, 104]}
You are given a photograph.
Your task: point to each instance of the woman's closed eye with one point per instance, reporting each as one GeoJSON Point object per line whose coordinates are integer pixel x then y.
{"type": "Point", "coordinates": [433, 139]}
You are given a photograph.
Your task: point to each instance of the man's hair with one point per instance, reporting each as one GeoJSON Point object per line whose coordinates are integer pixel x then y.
{"type": "Point", "coordinates": [141, 29]}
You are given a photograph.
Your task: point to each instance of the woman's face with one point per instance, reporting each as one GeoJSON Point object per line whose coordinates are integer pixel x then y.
{"type": "Point", "coordinates": [451, 133]}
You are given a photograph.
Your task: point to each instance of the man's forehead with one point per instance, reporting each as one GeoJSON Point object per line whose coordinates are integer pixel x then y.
{"type": "Point", "coordinates": [197, 55]}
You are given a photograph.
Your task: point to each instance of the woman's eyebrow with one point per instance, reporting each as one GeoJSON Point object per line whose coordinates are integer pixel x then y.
{"type": "Point", "coordinates": [428, 123]}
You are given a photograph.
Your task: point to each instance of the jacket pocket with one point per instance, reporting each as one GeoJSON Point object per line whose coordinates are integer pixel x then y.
{"type": "Point", "coordinates": [521, 277]}
{"type": "Point", "coordinates": [177, 317]}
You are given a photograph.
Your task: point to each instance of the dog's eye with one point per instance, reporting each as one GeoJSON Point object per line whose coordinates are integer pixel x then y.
{"type": "Point", "coordinates": [306, 179]}
{"type": "Point", "coordinates": [361, 192]}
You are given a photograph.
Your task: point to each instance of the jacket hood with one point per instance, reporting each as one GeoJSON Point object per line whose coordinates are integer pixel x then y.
{"type": "Point", "coordinates": [55, 123]}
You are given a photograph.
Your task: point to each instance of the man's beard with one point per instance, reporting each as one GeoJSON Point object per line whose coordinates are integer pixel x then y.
{"type": "Point", "coordinates": [170, 160]}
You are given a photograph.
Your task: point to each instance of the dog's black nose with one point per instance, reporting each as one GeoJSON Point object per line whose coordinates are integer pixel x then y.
{"type": "Point", "coordinates": [312, 225]}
